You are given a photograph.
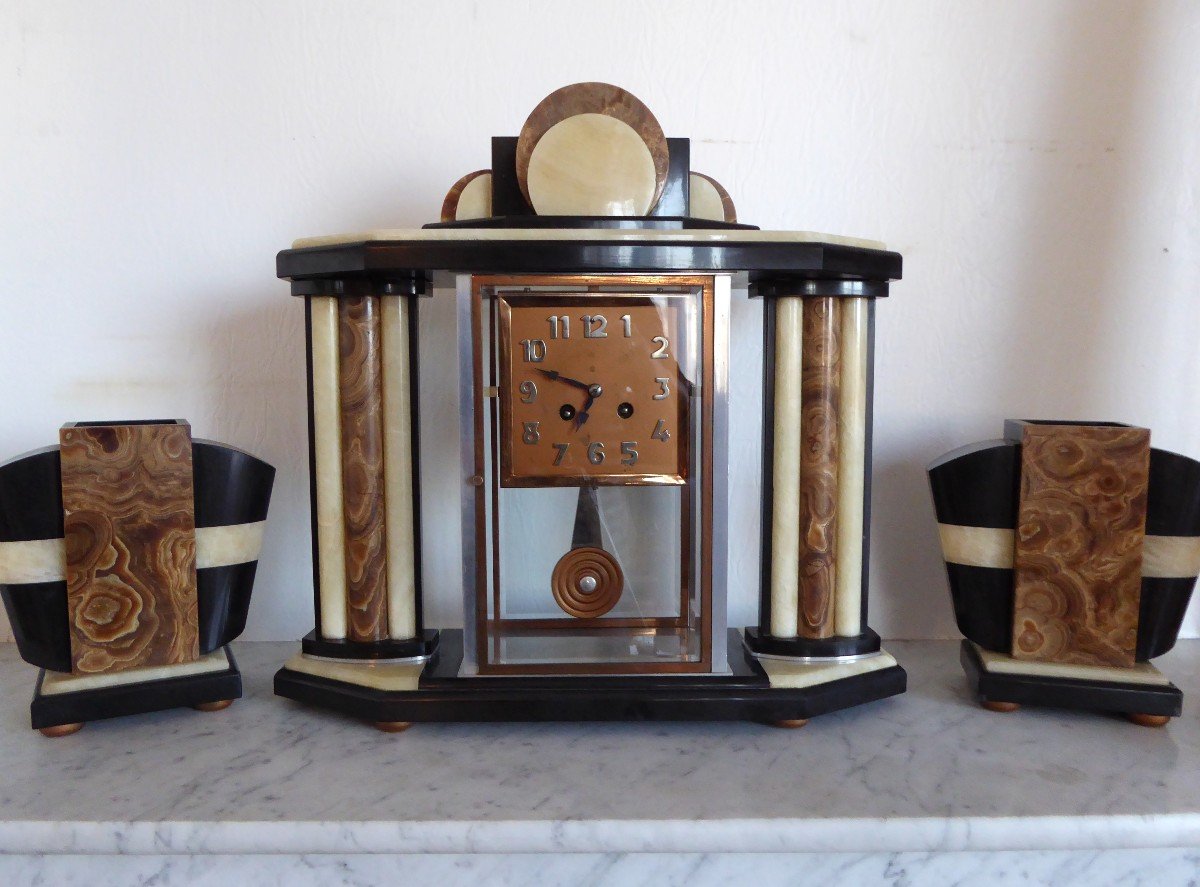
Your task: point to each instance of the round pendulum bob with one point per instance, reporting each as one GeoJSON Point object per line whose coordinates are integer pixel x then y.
{"type": "Point", "coordinates": [587, 582]}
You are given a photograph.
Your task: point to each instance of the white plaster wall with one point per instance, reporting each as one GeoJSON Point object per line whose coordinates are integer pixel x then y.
{"type": "Point", "coordinates": [1035, 162]}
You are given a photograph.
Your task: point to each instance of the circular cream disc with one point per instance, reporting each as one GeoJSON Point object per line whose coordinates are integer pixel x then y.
{"type": "Point", "coordinates": [469, 198]}
{"type": "Point", "coordinates": [591, 165]}
{"type": "Point", "coordinates": [703, 200]}
{"type": "Point", "coordinates": [475, 201]}
{"type": "Point", "coordinates": [707, 199]}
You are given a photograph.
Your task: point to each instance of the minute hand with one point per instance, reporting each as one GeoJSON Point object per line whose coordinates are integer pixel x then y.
{"type": "Point", "coordinates": [554, 375]}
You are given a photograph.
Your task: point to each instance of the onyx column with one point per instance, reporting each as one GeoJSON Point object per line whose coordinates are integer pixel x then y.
{"type": "Point", "coordinates": [362, 408]}
{"type": "Point", "coordinates": [818, 345]}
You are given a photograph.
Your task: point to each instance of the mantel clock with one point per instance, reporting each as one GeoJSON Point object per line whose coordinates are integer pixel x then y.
{"type": "Point", "coordinates": [592, 274]}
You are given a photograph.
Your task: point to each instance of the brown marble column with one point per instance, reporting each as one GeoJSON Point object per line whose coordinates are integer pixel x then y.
{"type": "Point", "coordinates": [819, 405]}
{"type": "Point", "coordinates": [361, 396]}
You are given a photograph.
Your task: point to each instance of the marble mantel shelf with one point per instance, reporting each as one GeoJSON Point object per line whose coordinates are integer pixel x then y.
{"type": "Point", "coordinates": [928, 771]}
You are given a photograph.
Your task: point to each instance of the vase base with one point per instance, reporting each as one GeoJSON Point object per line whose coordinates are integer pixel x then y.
{"type": "Point", "coordinates": [1149, 703]}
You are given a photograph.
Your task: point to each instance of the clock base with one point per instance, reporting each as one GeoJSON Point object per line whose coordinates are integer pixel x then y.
{"type": "Point", "coordinates": [438, 693]}
{"type": "Point", "coordinates": [1146, 702]}
{"type": "Point", "coordinates": [212, 690]}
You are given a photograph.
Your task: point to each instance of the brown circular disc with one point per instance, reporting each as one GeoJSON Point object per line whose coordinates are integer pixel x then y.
{"type": "Point", "coordinates": [593, 98]}
{"type": "Point", "coordinates": [450, 204]}
{"type": "Point", "coordinates": [578, 564]}
{"type": "Point", "coordinates": [728, 213]}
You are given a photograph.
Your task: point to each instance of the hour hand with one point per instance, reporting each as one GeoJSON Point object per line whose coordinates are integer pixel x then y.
{"type": "Point", "coordinates": [554, 375]}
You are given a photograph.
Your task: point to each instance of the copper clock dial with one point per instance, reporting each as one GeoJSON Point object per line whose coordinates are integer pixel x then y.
{"type": "Point", "coordinates": [592, 390]}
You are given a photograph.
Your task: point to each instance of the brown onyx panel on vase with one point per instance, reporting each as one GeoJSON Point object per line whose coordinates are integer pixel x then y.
{"type": "Point", "coordinates": [129, 526]}
{"type": "Point", "coordinates": [361, 395]}
{"type": "Point", "coordinates": [1078, 546]}
{"type": "Point", "coordinates": [819, 395]}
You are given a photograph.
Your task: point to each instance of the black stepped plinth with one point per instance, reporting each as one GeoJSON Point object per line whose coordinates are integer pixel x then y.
{"type": "Point", "coordinates": [1111, 696]}
{"type": "Point", "coordinates": [744, 694]}
{"type": "Point", "coordinates": [133, 699]}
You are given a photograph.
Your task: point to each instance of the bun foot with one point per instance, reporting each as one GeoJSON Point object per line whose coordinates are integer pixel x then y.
{"type": "Point", "coordinates": [392, 726]}
{"type": "Point", "coordinates": [790, 723]}
{"type": "Point", "coordinates": [1149, 720]}
{"type": "Point", "coordinates": [60, 730]}
{"type": "Point", "coordinates": [219, 705]}
{"type": "Point", "coordinates": [993, 705]}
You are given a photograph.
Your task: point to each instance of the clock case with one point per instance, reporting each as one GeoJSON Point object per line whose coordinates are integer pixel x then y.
{"type": "Point", "coordinates": [754, 675]}
{"type": "Point", "coordinates": [689, 638]}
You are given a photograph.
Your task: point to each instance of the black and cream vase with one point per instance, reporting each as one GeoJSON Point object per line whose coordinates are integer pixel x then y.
{"type": "Point", "coordinates": [83, 601]}
{"type": "Point", "coordinates": [1071, 551]}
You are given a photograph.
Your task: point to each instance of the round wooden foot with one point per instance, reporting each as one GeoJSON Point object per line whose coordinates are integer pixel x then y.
{"type": "Point", "coordinates": [219, 705]}
{"type": "Point", "coordinates": [993, 705]}
{"type": "Point", "coordinates": [392, 726]}
{"type": "Point", "coordinates": [60, 730]}
{"type": "Point", "coordinates": [1149, 720]}
{"type": "Point", "coordinates": [790, 723]}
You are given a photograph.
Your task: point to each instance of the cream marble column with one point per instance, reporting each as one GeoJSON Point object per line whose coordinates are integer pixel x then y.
{"type": "Point", "coordinates": [852, 450]}
{"type": "Point", "coordinates": [327, 456]}
{"type": "Point", "coordinates": [398, 469]}
{"type": "Point", "coordinates": [785, 476]}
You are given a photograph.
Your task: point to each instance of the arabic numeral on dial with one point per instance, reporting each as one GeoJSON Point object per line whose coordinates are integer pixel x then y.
{"type": "Point", "coordinates": [562, 451]}
{"type": "Point", "coordinates": [594, 326]}
{"type": "Point", "coordinates": [529, 392]}
{"type": "Point", "coordinates": [629, 451]}
{"type": "Point", "coordinates": [535, 350]}
{"type": "Point", "coordinates": [660, 431]}
{"type": "Point", "coordinates": [596, 453]}
{"type": "Point", "coordinates": [661, 351]}
{"type": "Point", "coordinates": [531, 435]}
{"type": "Point", "coordinates": [559, 322]}
{"type": "Point", "coordinates": [628, 321]}
{"type": "Point", "coordinates": [665, 385]}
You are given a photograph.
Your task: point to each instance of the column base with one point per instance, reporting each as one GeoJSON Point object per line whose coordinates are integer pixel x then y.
{"type": "Point", "coordinates": [408, 648]}
{"type": "Point", "coordinates": [212, 680]}
{"type": "Point", "coordinates": [1142, 694]}
{"type": "Point", "coordinates": [763, 644]}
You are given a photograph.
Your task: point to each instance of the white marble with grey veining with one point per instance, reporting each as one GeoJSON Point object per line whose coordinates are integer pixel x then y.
{"type": "Point", "coordinates": [882, 790]}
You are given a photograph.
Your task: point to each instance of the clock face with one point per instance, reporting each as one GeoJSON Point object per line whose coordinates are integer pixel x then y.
{"type": "Point", "coordinates": [593, 389]}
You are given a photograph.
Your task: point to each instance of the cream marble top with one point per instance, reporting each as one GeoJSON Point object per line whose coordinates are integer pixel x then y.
{"type": "Point", "coordinates": [725, 235]}
{"type": "Point", "coordinates": [929, 770]}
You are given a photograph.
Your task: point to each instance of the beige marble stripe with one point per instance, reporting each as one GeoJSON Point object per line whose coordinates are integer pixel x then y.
{"type": "Point", "coordinates": [38, 560]}
{"type": "Point", "coordinates": [1140, 673]}
{"type": "Point", "coordinates": [785, 472]}
{"type": "Point", "coordinates": [55, 683]}
{"type": "Point", "coordinates": [608, 234]}
{"type": "Point", "coordinates": [398, 469]}
{"type": "Point", "coordinates": [784, 675]}
{"type": "Point", "coordinates": [1171, 557]}
{"type": "Point", "coordinates": [977, 546]}
{"type": "Point", "coordinates": [327, 451]}
{"type": "Point", "coordinates": [852, 457]}
{"type": "Point", "coordinates": [229, 545]}
{"type": "Point", "coordinates": [44, 560]}
{"type": "Point", "coordinates": [1163, 557]}
{"type": "Point", "coordinates": [376, 675]}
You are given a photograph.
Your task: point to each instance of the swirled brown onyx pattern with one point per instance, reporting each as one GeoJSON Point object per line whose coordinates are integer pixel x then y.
{"type": "Point", "coordinates": [819, 390]}
{"type": "Point", "coordinates": [130, 530]}
{"type": "Point", "coordinates": [360, 367]}
{"type": "Point", "coordinates": [1078, 557]}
